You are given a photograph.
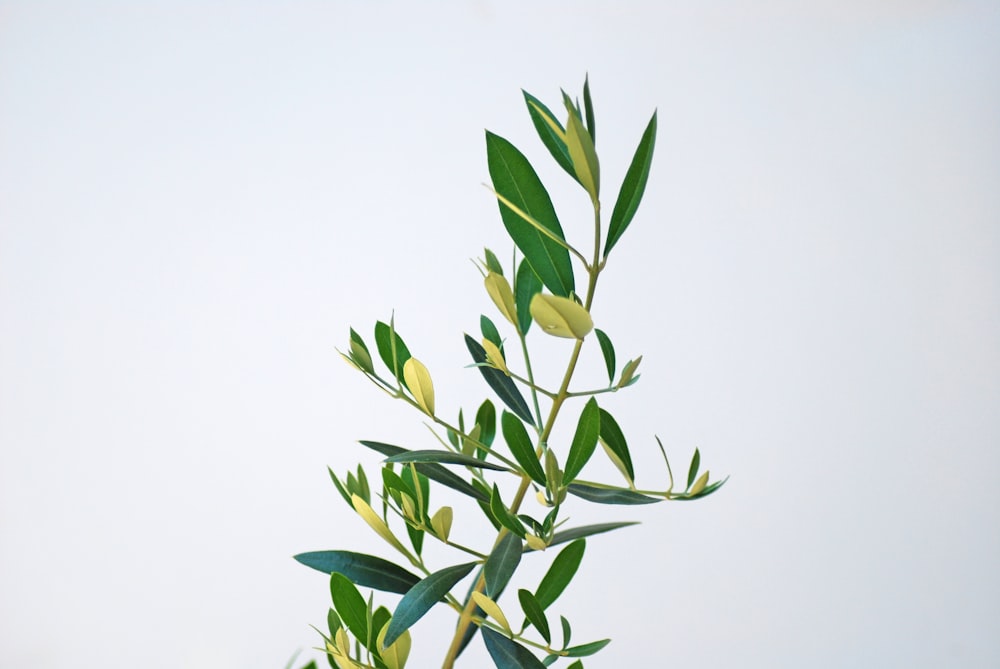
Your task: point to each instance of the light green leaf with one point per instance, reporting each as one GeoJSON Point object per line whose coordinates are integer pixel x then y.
{"type": "Point", "coordinates": [367, 571]}
{"type": "Point", "coordinates": [632, 188]}
{"type": "Point", "coordinates": [421, 597]}
{"type": "Point", "coordinates": [560, 573]}
{"type": "Point", "coordinates": [588, 428]}
{"type": "Point", "coordinates": [515, 179]}
{"type": "Point", "coordinates": [581, 152]}
{"type": "Point", "coordinates": [502, 563]}
{"type": "Point", "coordinates": [418, 380]}
{"type": "Point", "coordinates": [521, 447]}
{"type": "Point", "coordinates": [360, 354]}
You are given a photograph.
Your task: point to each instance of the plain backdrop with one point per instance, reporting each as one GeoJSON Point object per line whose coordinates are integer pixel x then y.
{"type": "Point", "coordinates": [198, 199]}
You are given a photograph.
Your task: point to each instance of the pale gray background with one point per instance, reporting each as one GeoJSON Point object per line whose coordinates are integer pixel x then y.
{"type": "Point", "coordinates": [198, 199]}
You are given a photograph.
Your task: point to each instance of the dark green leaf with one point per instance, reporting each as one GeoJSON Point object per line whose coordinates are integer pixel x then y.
{"type": "Point", "coordinates": [502, 563]}
{"type": "Point", "coordinates": [526, 286]}
{"type": "Point", "coordinates": [567, 631]}
{"type": "Point", "coordinates": [333, 622]}
{"type": "Point", "coordinates": [507, 653]}
{"type": "Point", "coordinates": [350, 605]}
{"type": "Point", "coordinates": [608, 349]}
{"type": "Point", "coordinates": [492, 264]}
{"type": "Point", "coordinates": [586, 531]}
{"type": "Point", "coordinates": [588, 428]}
{"type": "Point", "coordinates": [490, 332]}
{"type": "Point", "coordinates": [445, 457]}
{"type": "Point", "coordinates": [379, 620]}
{"type": "Point", "coordinates": [431, 471]}
{"type": "Point", "coordinates": [515, 179]}
{"type": "Point", "coordinates": [586, 649]}
{"type": "Point", "coordinates": [501, 384]}
{"type": "Point", "coordinates": [632, 187]}
{"type": "Point", "coordinates": [421, 597]}
{"type": "Point", "coordinates": [486, 419]}
{"type": "Point", "coordinates": [549, 137]}
{"type": "Point", "coordinates": [588, 106]}
{"type": "Point", "coordinates": [503, 515]}
{"type": "Point", "coordinates": [520, 445]}
{"type": "Point", "coordinates": [535, 614]}
{"type": "Point", "coordinates": [340, 488]}
{"type": "Point", "coordinates": [383, 341]}
{"type": "Point", "coordinates": [576, 665]}
{"type": "Point", "coordinates": [693, 469]}
{"type": "Point", "coordinates": [609, 495]}
{"type": "Point", "coordinates": [615, 440]}
{"type": "Point", "coordinates": [365, 570]}
{"type": "Point", "coordinates": [560, 573]}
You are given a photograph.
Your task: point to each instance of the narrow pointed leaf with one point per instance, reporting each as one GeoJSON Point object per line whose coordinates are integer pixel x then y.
{"type": "Point", "coordinates": [367, 571]}
{"type": "Point", "coordinates": [586, 649]}
{"type": "Point", "coordinates": [560, 573]}
{"type": "Point", "coordinates": [632, 188]}
{"type": "Point", "coordinates": [526, 286]}
{"type": "Point", "coordinates": [432, 471]}
{"type": "Point", "coordinates": [418, 380]}
{"type": "Point", "coordinates": [693, 469]}
{"type": "Point", "coordinates": [581, 152]}
{"type": "Point", "coordinates": [383, 342]}
{"type": "Point", "coordinates": [486, 419]}
{"type": "Point", "coordinates": [502, 563]}
{"type": "Point", "coordinates": [535, 614]}
{"type": "Point", "coordinates": [608, 350]}
{"type": "Point", "coordinates": [588, 107]}
{"type": "Point", "coordinates": [503, 515]}
{"type": "Point", "coordinates": [421, 597]}
{"type": "Point", "coordinates": [350, 605]}
{"type": "Point", "coordinates": [445, 457]}
{"type": "Point", "coordinates": [492, 264]}
{"type": "Point", "coordinates": [521, 446]}
{"type": "Point", "coordinates": [490, 332]}
{"type": "Point", "coordinates": [550, 131]}
{"type": "Point", "coordinates": [587, 530]}
{"type": "Point", "coordinates": [360, 353]}
{"type": "Point", "coordinates": [515, 179]}
{"type": "Point", "coordinates": [491, 609]}
{"type": "Point", "coordinates": [610, 495]}
{"type": "Point", "coordinates": [501, 384]}
{"type": "Point", "coordinates": [612, 436]}
{"type": "Point", "coordinates": [507, 653]}
{"type": "Point", "coordinates": [588, 428]}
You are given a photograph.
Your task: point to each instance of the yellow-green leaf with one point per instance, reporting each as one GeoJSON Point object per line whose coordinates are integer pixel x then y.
{"type": "Point", "coordinates": [494, 356]}
{"type": "Point", "coordinates": [561, 316]}
{"type": "Point", "coordinates": [369, 516]}
{"type": "Point", "coordinates": [441, 522]}
{"type": "Point", "coordinates": [502, 295]}
{"type": "Point", "coordinates": [535, 543]}
{"type": "Point", "coordinates": [418, 380]}
{"type": "Point", "coordinates": [491, 609]}
{"type": "Point", "coordinates": [699, 485]}
{"type": "Point", "coordinates": [396, 654]}
{"type": "Point", "coordinates": [582, 153]}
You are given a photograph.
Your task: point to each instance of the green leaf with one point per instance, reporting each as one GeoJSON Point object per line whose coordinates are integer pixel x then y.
{"type": "Point", "coordinates": [609, 495]}
{"type": "Point", "coordinates": [421, 597]}
{"type": "Point", "coordinates": [503, 515]}
{"type": "Point", "coordinates": [535, 614]}
{"type": "Point", "coordinates": [350, 605]}
{"type": "Point", "coordinates": [501, 384]}
{"type": "Point", "coordinates": [581, 151]}
{"type": "Point", "coordinates": [586, 649]}
{"type": "Point", "coordinates": [612, 436]}
{"type": "Point", "coordinates": [490, 332]}
{"type": "Point", "coordinates": [704, 493]}
{"type": "Point", "coordinates": [526, 286]}
{"type": "Point", "coordinates": [360, 354]}
{"type": "Point", "coordinates": [693, 469]}
{"type": "Point", "coordinates": [333, 622]}
{"type": "Point", "coordinates": [431, 470]}
{"type": "Point", "coordinates": [340, 487]}
{"type": "Point", "coordinates": [567, 631]}
{"type": "Point", "coordinates": [515, 179]}
{"type": "Point", "coordinates": [632, 187]}
{"type": "Point", "coordinates": [486, 419]}
{"type": "Point", "coordinates": [560, 573]}
{"type": "Point", "coordinates": [520, 445]}
{"type": "Point", "coordinates": [445, 457]}
{"type": "Point", "coordinates": [380, 617]}
{"type": "Point", "coordinates": [588, 106]}
{"type": "Point", "coordinates": [383, 341]}
{"type": "Point", "coordinates": [588, 428]}
{"type": "Point", "coordinates": [507, 653]}
{"type": "Point", "coordinates": [367, 571]}
{"type": "Point", "coordinates": [576, 665]}
{"type": "Point", "coordinates": [586, 531]}
{"type": "Point", "coordinates": [550, 131]}
{"type": "Point", "coordinates": [492, 264]}
{"type": "Point", "coordinates": [502, 563]}
{"type": "Point", "coordinates": [608, 349]}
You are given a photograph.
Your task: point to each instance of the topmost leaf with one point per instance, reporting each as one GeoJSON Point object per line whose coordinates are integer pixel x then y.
{"type": "Point", "coordinates": [515, 180]}
{"type": "Point", "coordinates": [551, 132]}
{"type": "Point", "coordinates": [632, 187]}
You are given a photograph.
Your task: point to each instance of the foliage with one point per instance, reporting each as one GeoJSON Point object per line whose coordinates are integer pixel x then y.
{"type": "Point", "coordinates": [544, 292]}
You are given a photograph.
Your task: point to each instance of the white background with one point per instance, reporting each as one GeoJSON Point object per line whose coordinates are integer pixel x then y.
{"type": "Point", "coordinates": [198, 199]}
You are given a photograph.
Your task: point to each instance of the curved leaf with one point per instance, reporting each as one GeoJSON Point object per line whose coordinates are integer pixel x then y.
{"type": "Point", "coordinates": [431, 470]}
{"type": "Point", "coordinates": [501, 384]}
{"type": "Point", "coordinates": [445, 457]}
{"type": "Point", "coordinates": [583, 650]}
{"type": "Point", "coordinates": [421, 597]}
{"type": "Point", "coordinates": [632, 188]}
{"type": "Point", "coordinates": [367, 571]}
{"type": "Point", "coordinates": [587, 530]}
{"type": "Point", "coordinates": [515, 179]}
{"type": "Point", "coordinates": [613, 438]}
{"type": "Point", "coordinates": [486, 419]}
{"type": "Point", "coordinates": [502, 563]}
{"type": "Point", "coordinates": [610, 495]}
{"type": "Point", "coordinates": [507, 653]}
{"type": "Point", "coordinates": [521, 446]}
{"type": "Point", "coordinates": [588, 428]}
{"type": "Point", "coordinates": [550, 131]}
{"type": "Point", "coordinates": [534, 613]}
{"type": "Point", "coordinates": [560, 573]}
{"type": "Point", "coordinates": [608, 350]}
